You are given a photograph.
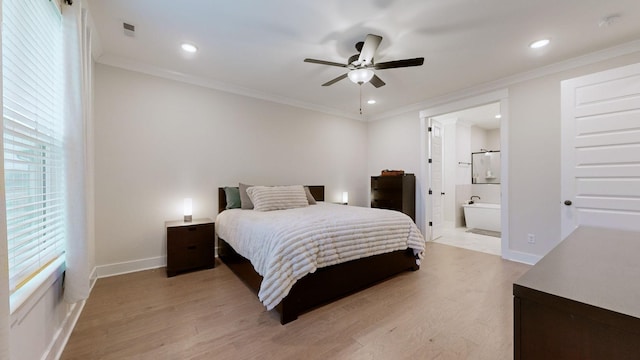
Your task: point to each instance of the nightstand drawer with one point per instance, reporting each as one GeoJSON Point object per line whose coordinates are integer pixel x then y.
{"type": "Point", "coordinates": [189, 247]}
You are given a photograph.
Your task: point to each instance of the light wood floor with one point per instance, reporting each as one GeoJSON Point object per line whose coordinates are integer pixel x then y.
{"type": "Point", "coordinates": [459, 305]}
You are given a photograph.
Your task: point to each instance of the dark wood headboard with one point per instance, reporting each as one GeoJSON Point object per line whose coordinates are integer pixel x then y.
{"type": "Point", "coordinates": [316, 190]}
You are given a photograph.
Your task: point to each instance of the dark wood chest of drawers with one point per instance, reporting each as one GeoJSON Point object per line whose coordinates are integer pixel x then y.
{"type": "Point", "coordinates": [394, 193]}
{"type": "Point", "coordinates": [190, 246]}
{"type": "Point", "coordinates": [581, 300]}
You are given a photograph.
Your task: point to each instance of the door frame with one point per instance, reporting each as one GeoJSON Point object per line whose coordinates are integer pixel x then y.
{"type": "Point", "coordinates": [428, 136]}
{"type": "Point", "coordinates": [501, 96]}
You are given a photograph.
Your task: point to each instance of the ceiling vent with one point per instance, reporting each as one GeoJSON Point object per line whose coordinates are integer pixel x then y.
{"type": "Point", "coordinates": [129, 29]}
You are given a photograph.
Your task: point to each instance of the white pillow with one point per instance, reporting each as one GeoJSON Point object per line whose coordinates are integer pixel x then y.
{"type": "Point", "coordinates": [267, 198]}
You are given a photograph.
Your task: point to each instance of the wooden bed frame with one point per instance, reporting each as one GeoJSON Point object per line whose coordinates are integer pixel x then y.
{"type": "Point", "coordinates": [326, 284]}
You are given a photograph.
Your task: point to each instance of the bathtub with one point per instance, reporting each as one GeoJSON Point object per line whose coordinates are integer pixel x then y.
{"type": "Point", "coordinates": [482, 216]}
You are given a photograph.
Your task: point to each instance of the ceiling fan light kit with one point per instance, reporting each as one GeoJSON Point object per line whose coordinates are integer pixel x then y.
{"type": "Point", "coordinates": [360, 76]}
{"type": "Point", "coordinates": [361, 65]}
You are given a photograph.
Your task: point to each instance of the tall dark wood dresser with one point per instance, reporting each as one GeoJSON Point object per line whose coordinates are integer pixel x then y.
{"type": "Point", "coordinates": [394, 192]}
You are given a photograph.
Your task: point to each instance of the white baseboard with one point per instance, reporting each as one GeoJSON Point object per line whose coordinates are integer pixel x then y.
{"type": "Point", "coordinates": [93, 277]}
{"type": "Point", "coordinates": [130, 266]}
{"type": "Point", "coordinates": [64, 332]}
{"type": "Point", "coordinates": [518, 256]}
{"type": "Point", "coordinates": [68, 324]}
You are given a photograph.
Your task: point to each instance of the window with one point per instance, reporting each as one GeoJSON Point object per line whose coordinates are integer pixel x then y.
{"type": "Point", "coordinates": [32, 51]}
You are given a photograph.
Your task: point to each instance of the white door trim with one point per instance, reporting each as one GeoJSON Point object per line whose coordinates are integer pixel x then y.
{"type": "Point", "coordinates": [435, 185]}
{"type": "Point", "coordinates": [501, 96]}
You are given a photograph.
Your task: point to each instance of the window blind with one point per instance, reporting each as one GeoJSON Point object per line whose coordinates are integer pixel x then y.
{"type": "Point", "coordinates": [32, 51]}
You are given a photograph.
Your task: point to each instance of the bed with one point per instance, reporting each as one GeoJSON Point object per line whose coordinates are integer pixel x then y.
{"type": "Point", "coordinates": [324, 284]}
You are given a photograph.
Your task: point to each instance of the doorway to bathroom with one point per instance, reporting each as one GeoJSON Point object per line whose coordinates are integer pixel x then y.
{"type": "Point", "coordinates": [473, 164]}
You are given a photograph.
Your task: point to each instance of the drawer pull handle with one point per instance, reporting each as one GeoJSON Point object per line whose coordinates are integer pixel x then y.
{"type": "Point", "coordinates": [193, 228]}
{"type": "Point", "coordinates": [192, 247]}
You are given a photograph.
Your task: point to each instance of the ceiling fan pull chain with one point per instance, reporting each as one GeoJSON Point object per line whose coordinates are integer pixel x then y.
{"type": "Point", "coordinates": [360, 99]}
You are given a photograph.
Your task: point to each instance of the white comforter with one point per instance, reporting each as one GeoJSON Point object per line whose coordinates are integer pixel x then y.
{"type": "Point", "coordinates": [285, 245]}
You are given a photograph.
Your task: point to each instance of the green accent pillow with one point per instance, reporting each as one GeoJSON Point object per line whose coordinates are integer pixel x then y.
{"type": "Point", "coordinates": [233, 197]}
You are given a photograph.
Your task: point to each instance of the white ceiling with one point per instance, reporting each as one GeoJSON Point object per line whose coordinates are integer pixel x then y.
{"type": "Point", "coordinates": [257, 47]}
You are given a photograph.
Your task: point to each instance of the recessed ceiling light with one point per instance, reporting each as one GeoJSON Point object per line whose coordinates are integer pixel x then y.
{"type": "Point", "coordinates": [371, 101]}
{"type": "Point", "coordinates": [540, 43]}
{"type": "Point", "coordinates": [189, 47]}
{"type": "Point", "coordinates": [498, 116]}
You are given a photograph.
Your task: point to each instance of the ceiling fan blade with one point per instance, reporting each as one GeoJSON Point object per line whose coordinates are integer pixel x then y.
{"type": "Point", "coordinates": [399, 63]}
{"type": "Point", "coordinates": [376, 81]}
{"type": "Point", "coordinates": [331, 82]}
{"type": "Point", "coordinates": [369, 48]}
{"type": "Point", "coordinates": [322, 62]}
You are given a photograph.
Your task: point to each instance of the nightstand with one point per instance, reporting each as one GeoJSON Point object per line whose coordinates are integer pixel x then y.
{"type": "Point", "coordinates": [190, 245]}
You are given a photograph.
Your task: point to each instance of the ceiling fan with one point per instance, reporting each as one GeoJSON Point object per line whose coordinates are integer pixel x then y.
{"type": "Point", "coordinates": [361, 65]}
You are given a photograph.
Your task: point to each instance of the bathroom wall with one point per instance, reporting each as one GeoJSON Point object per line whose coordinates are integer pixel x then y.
{"type": "Point", "coordinates": [457, 157]}
{"type": "Point", "coordinates": [478, 138]}
{"type": "Point", "coordinates": [463, 194]}
{"type": "Point", "coordinates": [463, 153]}
{"type": "Point", "coordinates": [492, 139]}
{"type": "Point", "coordinates": [489, 193]}
{"type": "Point", "coordinates": [484, 139]}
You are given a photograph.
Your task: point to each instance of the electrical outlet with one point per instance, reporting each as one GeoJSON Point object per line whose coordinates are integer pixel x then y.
{"type": "Point", "coordinates": [531, 238]}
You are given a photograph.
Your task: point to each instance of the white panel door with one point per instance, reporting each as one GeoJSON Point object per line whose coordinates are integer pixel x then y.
{"type": "Point", "coordinates": [436, 175]}
{"type": "Point", "coordinates": [601, 150]}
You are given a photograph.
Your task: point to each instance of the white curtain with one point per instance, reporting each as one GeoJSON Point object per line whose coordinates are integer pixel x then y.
{"type": "Point", "coordinates": [78, 137]}
{"type": "Point", "coordinates": [4, 263]}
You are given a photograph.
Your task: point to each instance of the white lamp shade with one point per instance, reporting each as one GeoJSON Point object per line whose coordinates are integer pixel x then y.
{"type": "Point", "coordinates": [188, 206]}
{"type": "Point", "coordinates": [360, 76]}
{"type": "Point", "coordinates": [345, 197]}
{"type": "Point", "coordinates": [188, 209]}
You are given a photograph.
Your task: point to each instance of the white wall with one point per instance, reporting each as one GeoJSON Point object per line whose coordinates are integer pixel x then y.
{"type": "Point", "coordinates": [392, 145]}
{"type": "Point", "coordinates": [159, 141]}
{"type": "Point", "coordinates": [37, 329]}
{"type": "Point", "coordinates": [534, 161]}
{"type": "Point", "coordinates": [534, 154]}
{"type": "Point", "coordinates": [457, 168]}
{"type": "Point", "coordinates": [478, 139]}
{"type": "Point", "coordinates": [493, 139]}
{"type": "Point", "coordinates": [463, 173]}
{"type": "Point", "coordinates": [484, 139]}
{"type": "Point", "coordinates": [463, 149]}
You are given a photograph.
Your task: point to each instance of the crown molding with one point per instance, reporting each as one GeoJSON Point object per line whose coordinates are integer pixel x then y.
{"type": "Point", "coordinates": [128, 64]}
{"type": "Point", "coordinates": [591, 58]}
